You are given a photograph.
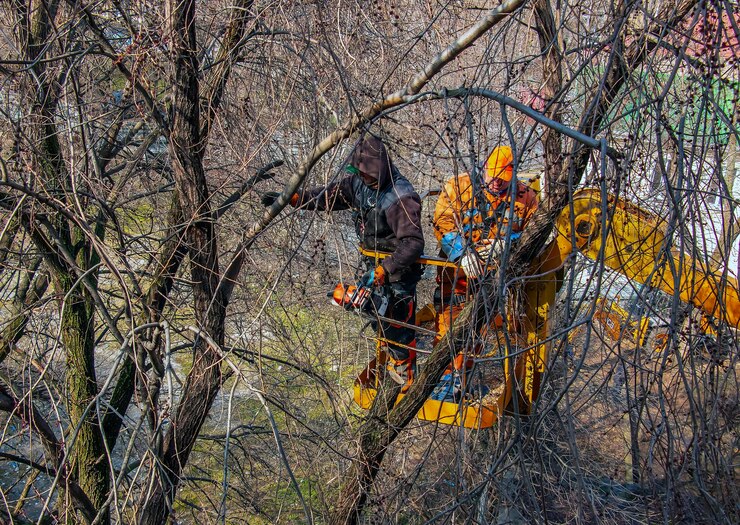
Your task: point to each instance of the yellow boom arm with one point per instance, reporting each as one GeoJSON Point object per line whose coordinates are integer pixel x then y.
{"type": "Point", "coordinates": [634, 244]}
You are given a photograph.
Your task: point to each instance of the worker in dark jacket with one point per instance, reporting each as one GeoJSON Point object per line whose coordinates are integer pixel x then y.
{"type": "Point", "coordinates": [387, 214]}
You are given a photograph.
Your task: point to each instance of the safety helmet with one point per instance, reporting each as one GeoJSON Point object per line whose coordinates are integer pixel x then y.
{"type": "Point", "coordinates": [500, 164]}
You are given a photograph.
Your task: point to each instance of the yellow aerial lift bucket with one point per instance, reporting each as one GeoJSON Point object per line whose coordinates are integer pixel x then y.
{"type": "Point", "coordinates": [527, 366]}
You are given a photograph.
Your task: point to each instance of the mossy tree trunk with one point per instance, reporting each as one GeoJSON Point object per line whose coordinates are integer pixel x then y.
{"type": "Point", "coordinates": [71, 261]}
{"type": "Point", "coordinates": [90, 463]}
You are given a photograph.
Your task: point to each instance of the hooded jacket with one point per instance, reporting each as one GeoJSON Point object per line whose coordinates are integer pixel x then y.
{"type": "Point", "coordinates": [387, 218]}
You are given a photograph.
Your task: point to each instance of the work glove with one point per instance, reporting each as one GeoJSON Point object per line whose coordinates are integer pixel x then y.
{"type": "Point", "coordinates": [453, 245]}
{"type": "Point", "coordinates": [374, 277]}
{"type": "Point", "coordinates": [490, 251]}
{"type": "Point", "coordinates": [487, 253]}
{"type": "Point", "coordinates": [269, 198]}
{"type": "Point", "coordinates": [471, 264]}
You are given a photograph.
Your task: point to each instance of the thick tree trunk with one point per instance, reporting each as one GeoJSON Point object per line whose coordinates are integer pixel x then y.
{"type": "Point", "coordinates": [552, 65]}
{"type": "Point", "coordinates": [186, 150]}
{"type": "Point", "coordinates": [90, 462]}
{"type": "Point", "coordinates": [375, 435]}
{"type": "Point", "coordinates": [71, 255]}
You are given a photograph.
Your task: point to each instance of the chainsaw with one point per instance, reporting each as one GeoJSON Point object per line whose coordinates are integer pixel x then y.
{"type": "Point", "coordinates": [362, 298]}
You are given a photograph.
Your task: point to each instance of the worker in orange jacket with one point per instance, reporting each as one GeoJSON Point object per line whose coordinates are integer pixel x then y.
{"type": "Point", "coordinates": [471, 221]}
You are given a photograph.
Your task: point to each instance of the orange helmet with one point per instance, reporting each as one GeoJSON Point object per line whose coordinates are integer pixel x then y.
{"type": "Point", "coordinates": [500, 164]}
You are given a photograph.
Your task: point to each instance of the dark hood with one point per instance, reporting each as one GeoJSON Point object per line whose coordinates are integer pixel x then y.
{"type": "Point", "coordinates": [371, 157]}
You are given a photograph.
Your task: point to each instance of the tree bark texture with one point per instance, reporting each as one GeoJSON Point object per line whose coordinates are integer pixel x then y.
{"type": "Point", "coordinates": [89, 459]}
{"type": "Point", "coordinates": [552, 88]}
{"type": "Point", "coordinates": [70, 248]}
{"type": "Point", "coordinates": [186, 150]}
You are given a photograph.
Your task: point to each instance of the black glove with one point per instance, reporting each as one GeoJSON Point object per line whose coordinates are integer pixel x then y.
{"type": "Point", "coordinates": [269, 197]}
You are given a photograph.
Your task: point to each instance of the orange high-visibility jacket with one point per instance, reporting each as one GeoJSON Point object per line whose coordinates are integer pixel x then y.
{"type": "Point", "coordinates": [457, 211]}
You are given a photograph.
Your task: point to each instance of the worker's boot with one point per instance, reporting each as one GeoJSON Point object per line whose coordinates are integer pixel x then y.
{"type": "Point", "coordinates": [403, 371]}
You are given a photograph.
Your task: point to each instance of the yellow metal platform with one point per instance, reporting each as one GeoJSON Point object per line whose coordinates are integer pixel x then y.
{"type": "Point", "coordinates": [468, 413]}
